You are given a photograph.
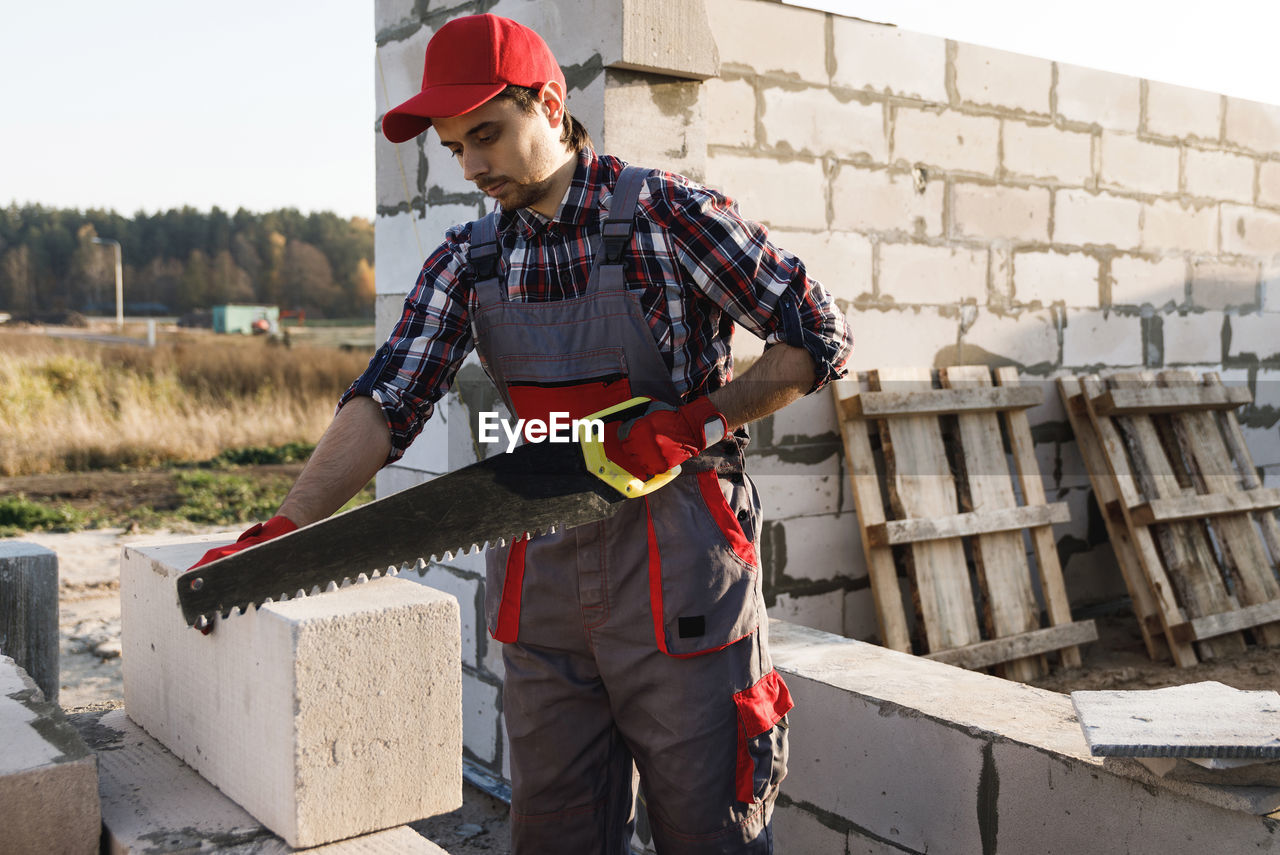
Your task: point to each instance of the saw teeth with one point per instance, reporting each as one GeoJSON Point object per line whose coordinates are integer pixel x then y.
{"type": "Point", "coordinates": [332, 586]}
{"type": "Point", "coordinates": [362, 578]}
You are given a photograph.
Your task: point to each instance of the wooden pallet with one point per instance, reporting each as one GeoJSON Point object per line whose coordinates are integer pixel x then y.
{"type": "Point", "coordinates": [940, 499]}
{"type": "Point", "coordinates": [1194, 531]}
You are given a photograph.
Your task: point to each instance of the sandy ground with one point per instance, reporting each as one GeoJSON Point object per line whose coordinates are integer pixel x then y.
{"type": "Point", "coordinates": [89, 666]}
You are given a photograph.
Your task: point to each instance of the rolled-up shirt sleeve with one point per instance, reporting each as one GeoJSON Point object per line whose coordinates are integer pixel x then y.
{"type": "Point", "coordinates": [416, 365]}
{"type": "Point", "coordinates": [762, 287]}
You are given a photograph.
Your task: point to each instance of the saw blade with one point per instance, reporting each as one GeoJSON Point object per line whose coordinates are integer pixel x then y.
{"type": "Point", "coordinates": [532, 489]}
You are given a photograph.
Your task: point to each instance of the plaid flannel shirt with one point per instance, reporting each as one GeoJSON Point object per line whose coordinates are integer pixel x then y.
{"type": "Point", "coordinates": [698, 266]}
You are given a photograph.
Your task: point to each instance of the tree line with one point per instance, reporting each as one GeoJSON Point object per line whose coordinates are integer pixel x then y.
{"type": "Point", "coordinates": [180, 261]}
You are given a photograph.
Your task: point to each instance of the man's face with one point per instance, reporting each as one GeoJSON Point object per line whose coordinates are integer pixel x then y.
{"type": "Point", "coordinates": [507, 152]}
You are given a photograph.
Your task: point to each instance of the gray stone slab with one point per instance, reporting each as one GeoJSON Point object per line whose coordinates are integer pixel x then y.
{"type": "Point", "coordinates": [1198, 720]}
{"type": "Point", "coordinates": [1259, 801]}
{"type": "Point", "coordinates": [152, 801]}
{"type": "Point", "coordinates": [1222, 772]}
{"type": "Point", "coordinates": [48, 776]}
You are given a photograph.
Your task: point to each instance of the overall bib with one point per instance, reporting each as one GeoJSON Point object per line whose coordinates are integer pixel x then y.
{"type": "Point", "coordinates": [639, 639]}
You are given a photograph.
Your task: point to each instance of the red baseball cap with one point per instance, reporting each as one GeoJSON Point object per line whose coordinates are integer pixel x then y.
{"type": "Point", "coordinates": [469, 60]}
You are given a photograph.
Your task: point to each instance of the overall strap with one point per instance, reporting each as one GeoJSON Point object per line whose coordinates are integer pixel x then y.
{"type": "Point", "coordinates": [615, 235]}
{"type": "Point", "coordinates": [483, 258]}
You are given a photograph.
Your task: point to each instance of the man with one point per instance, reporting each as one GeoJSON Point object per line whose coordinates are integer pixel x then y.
{"type": "Point", "coordinates": [638, 642]}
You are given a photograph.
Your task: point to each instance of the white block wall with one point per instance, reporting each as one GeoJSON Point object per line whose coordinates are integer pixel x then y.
{"type": "Point", "coordinates": [891, 753]}
{"type": "Point", "coordinates": [962, 205]}
{"type": "Point", "coordinates": [324, 718]}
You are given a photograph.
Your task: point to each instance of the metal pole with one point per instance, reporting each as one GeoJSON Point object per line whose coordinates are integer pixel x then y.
{"type": "Point", "coordinates": [119, 279]}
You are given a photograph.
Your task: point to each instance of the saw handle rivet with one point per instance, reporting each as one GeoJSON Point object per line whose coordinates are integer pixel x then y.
{"type": "Point", "coordinates": [197, 583]}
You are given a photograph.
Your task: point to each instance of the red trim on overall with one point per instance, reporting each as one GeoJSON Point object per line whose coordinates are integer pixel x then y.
{"type": "Point", "coordinates": [655, 581]}
{"type": "Point", "coordinates": [725, 518]}
{"type": "Point", "coordinates": [508, 628]}
{"type": "Point", "coordinates": [759, 708]}
{"type": "Point", "coordinates": [577, 401]}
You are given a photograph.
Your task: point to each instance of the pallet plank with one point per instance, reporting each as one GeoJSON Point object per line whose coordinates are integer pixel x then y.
{"type": "Point", "coordinates": [1010, 602]}
{"type": "Point", "coordinates": [1057, 604]}
{"type": "Point", "coordinates": [1206, 505]}
{"type": "Point", "coordinates": [1033, 643]}
{"type": "Point", "coordinates": [1105, 492]}
{"type": "Point", "coordinates": [901, 402]}
{"type": "Point", "coordinates": [1244, 552]}
{"type": "Point", "coordinates": [1187, 553]}
{"type": "Point", "coordinates": [1211, 626]}
{"type": "Point", "coordinates": [1149, 401]}
{"type": "Point", "coordinates": [921, 486]}
{"type": "Point", "coordinates": [1112, 447]}
{"type": "Point", "coordinates": [870, 510]}
{"type": "Point", "coordinates": [1234, 438]}
{"type": "Point", "coordinates": [898, 532]}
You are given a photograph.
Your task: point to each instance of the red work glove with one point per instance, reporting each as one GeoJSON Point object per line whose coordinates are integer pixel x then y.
{"type": "Point", "coordinates": [663, 437]}
{"type": "Point", "coordinates": [273, 527]}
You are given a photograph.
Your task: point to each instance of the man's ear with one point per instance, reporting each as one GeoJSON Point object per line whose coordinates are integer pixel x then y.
{"type": "Point", "coordinates": [552, 98]}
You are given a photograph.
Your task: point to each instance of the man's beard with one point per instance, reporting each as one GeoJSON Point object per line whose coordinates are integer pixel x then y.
{"type": "Point", "coordinates": [516, 196]}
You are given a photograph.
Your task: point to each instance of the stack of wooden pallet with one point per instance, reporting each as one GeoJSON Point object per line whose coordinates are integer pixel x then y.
{"type": "Point", "coordinates": [1192, 527]}
{"type": "Point", "coordinates": [935, 495]}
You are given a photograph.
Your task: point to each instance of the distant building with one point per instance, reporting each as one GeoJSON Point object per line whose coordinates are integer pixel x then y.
{"type": "Point", "coordinates": [246, 318]}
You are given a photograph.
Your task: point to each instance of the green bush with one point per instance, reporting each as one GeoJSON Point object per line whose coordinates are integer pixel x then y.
{"type": "Point", "coordinates": [18, 514]}
{"type": "Point", "coordinates": [290, 452]}
{"type": "Point", "coordinates": [224, 498]}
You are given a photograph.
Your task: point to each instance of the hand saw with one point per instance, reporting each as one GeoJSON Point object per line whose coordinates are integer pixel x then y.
{"type": "Point", "coordinates": [532, 489]}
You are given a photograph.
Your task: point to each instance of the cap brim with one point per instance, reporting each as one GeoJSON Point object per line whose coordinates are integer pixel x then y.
{"type": "Point", "coordinates": [407, 120]}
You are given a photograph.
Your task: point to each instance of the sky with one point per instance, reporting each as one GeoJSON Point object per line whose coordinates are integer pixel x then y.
{"type": "Point", "coordinates": [146, 105]}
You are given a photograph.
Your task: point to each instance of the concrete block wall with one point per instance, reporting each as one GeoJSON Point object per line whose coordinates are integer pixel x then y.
{"type": "Point", "coordinates": [980, 206]}
{"type": "Point", "coordinates": [891, 753]}
{"type": "Point", "coordinates": [962, 204]}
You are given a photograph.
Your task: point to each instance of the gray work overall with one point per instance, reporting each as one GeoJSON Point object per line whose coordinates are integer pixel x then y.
{"type": "Point", "coordinates": [640, 638]}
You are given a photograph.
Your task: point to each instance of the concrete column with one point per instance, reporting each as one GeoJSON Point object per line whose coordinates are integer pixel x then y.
{"type": "Point", "coordinates": [29, 612]}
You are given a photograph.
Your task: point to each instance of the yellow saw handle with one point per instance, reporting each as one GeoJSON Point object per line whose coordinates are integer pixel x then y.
{"type": "Point", "coordinates": [599, 464]}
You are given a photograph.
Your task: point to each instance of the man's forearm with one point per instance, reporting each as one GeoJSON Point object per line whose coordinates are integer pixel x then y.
{"type": "Point", "coordinates": [781, 375]}
{"type": "Point", "coordinates": [352, 450]}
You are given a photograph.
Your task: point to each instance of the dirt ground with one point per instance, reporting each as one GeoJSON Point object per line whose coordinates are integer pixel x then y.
{"type": "Point", "coordinates": [116, 493]}
{"type": "Point", "coordinates": [90, 634]}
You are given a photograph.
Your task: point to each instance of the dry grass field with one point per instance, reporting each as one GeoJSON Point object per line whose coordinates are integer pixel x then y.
{"type": "Point", "coordinates": [73, 405]}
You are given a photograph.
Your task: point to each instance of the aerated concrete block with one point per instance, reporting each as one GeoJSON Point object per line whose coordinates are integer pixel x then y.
{"type": "Point", "coordinates": [325, 717]}
{"type": "Point", "coordinates": [48, 776]}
